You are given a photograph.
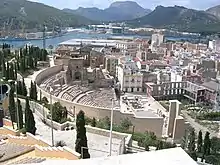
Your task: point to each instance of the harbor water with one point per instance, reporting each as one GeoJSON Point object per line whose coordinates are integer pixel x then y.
{"type": "Point", "coordinates": [72, 35]}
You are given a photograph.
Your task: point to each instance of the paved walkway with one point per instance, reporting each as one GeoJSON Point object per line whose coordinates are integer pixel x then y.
{"type": "Point", "coordinates": [98, 145]}
{"type": "Point", "coordinates": [198, 126]}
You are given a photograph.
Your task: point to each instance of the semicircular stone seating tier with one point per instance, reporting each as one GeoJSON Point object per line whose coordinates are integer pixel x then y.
{"type": "Point", "coordinates": [80, 93]}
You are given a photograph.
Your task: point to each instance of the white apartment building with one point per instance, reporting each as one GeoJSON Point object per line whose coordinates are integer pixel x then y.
{"type": "Point", "coordinates": [129, 47]}
{"type": "Point", "coordinates": [214, 45]}
{"type": "Point", "coordinates": [156, 40]}
{"type": "Point", "coordinates": [129, 76]}
{"type": "Point", "coordinates": [111, 63]}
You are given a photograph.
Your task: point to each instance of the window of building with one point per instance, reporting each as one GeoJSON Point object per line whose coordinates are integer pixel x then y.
{"type": "Point", "coordinates": [143, 66]}
{"type": "Point", "coordinates": [138, 89]}
{"type": "Point", "coordinates": [132, 80]}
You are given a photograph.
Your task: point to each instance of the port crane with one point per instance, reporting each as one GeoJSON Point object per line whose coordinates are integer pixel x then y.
{"type": "Point", "coordinates": [10, 24]}
{"type": "Point", "coordinates": [44, 36]}
{"type": "Point", "coordinates": [4, 30]}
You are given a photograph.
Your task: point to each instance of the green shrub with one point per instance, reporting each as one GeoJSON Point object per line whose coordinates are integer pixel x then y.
{"type": "Point", "coordinates": [60, 143]}
{"type": "Point", "coordinates": [212, 159]}
{"type": "Point", "coordinates": [125, 124]}
{"type": "Point", "coordinates": [88, 120]}
{"type": "Point", "coordinates": [23, 130]}
{"type": "Point", "coordinates": [213, 116]}
{"type": "Point", "coordinates": [63, 120]}
{"type": "Point", "coordinates": [104, 123]}
{"type": "Point", "coordinates": [93, 122]}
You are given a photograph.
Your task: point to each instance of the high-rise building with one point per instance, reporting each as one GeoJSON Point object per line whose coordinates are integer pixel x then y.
{"type": "Point", "coordinates": [217, 45]}
{"type": "Point", "coordinates": [111, 63]}
{"type": "Point", "coordinates": [156, 40]}
{"type": "Point", "coordinates": [214, 45]}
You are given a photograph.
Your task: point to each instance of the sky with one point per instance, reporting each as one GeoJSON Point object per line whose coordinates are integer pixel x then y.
{"type": "Point", "coordinates": [150, 4]}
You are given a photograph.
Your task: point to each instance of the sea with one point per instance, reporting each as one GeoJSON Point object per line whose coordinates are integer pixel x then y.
{"type": "Point", "coordinates": [68, 36]}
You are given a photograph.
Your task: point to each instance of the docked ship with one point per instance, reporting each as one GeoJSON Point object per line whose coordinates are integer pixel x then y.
{"type": "Point", "coordinates": [10, 39]}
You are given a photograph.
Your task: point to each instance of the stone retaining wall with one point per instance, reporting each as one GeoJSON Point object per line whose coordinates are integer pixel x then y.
{"type": "Point", "coordinates": [38, 109]}
{"type": "Point", "coordinates": [29, 139]}
{"type": "Point", "coordinates": [56, 152]}
{"type": "Point", "coordinates": [5, 131]}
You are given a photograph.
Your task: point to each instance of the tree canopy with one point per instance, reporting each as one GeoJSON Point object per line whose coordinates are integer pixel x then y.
{"type": "Point", "coordinates": [29, 119]}
{"type": "Point", "coordinates": [81, 139]}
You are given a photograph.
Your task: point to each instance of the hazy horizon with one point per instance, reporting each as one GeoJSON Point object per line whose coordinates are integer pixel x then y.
{"type": "Point", "coordinates": [150, 4]}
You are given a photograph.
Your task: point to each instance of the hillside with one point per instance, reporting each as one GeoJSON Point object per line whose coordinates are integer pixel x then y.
{"type": "Point", "coordinates": [214, 11]}
{"type": "Point", "coordinates": [179, 18]}
{"type": "Point", "coordinates": [21, 13]}
{"type": "Point", "coordinates": [117, 11]}
{"type": "Point", "coordinates": [90, 13]}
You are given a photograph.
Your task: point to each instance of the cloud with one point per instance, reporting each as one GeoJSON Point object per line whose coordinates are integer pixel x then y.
{"type": "Point", "coordinates": [73, 4]}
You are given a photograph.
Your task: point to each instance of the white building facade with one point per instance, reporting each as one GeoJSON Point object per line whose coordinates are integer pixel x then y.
{"type": "Point", "coordinates": [214, 45]}
{"type": "Point", "coordinates": [111, 63]}
{"type": "Point", "coordinates": [128, 47]}
{"type": "Point", "coordinates": [156, 40]}
{"type": "Point", "coordinates": [129, 76]}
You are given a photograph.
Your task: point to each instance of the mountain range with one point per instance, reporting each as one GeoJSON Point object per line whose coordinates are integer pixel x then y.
{"type": "Point", "coordinates": [175, 17]}
{"type": "Point", "coordinates": [18, 14]}
{"type": "Point", "coordinates": [214, 11]}
{"type": "Point", "coordinates": [117, 11]}
{"type": "Point", "coordinates": [180, 18]}
{"type": "Point", "coordinates": [23, 14]}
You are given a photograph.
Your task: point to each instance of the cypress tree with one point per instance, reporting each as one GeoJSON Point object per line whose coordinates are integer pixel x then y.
{"type": "Point", "coordinates": [15, 71]}
{"type": "Point", "coordinates": [35, 62]}
{"type": "Point", "coordinates": [192, 144]}
{"type": "Point", "coordinates": [206, 146]}
{"type": "Point", "coordinates": [21, 53]}
{"type": "Point", "coordinates": [199, 142]}
{"type": "Point", "coordinates": [20, 113]}
{"type": "Point", "coordinates": [18, 65]}
{"type": "Point", "coordinates": [30, 62]}
{"type": "Point", "coordinates": [1, 58]}
{"type": "Point", "coordinates": [31, 50]}
{"type": "Point", "coordinates": [19, 88]}
{"type": "Point", "coordinates": [29, 119]}
{"type": "Point", "coordinates": [11, 107]}
{"type": "Point", "coordinates": [11, 72]}
{"type": "Point", "coordinates": [24, 88]}
{"type": "Point", "coordinates": [35, 91]}
{"type": "Point", "coordinates": [4, 67]}
{"type": "Point", "coordinates": [31, 91]}
{"type": "Point", "coordinates": [81, 139]}
{"type": "Point", "coordinates": [23, 66]}
{"type": "Point", "coordinates": [7, 72]}
{"type": "Point", "coordinates": [40, 95]}
{"type": "Point", "coordinates": [215, 145]}
{"type": "Point", "coordinates": [26, 50]}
